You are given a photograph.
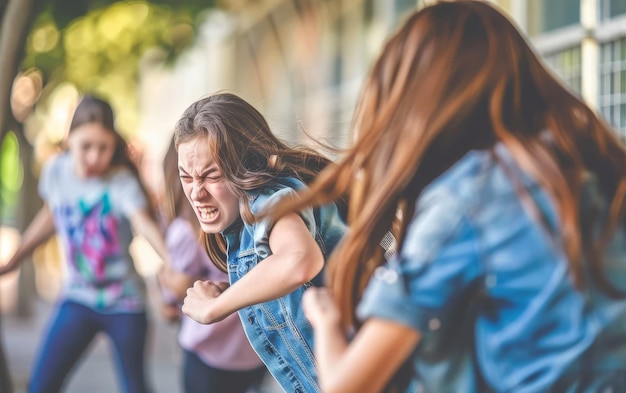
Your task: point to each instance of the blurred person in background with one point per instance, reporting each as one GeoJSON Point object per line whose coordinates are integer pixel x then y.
{"type": "Point", "coordinates": [93, 200]}
{"type": "Point", "coordinates": [508, 194]}
{"type": "Point", "coordinates": [217, 357]}
{"type": "Point", "coordinates": [232, 167]}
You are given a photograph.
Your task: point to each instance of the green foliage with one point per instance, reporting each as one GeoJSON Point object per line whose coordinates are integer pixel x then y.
{"type": "Point", "coordinates": [11, 177]}
{"type": "Point", "coordinates": [106, 31]}
{"type": "Point", "coordinates": [97, 45]}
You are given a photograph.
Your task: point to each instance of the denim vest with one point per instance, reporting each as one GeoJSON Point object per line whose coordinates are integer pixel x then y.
{"type": "Point", "coordinates": [489, 289]}
{"type": "Point", "coordinates": [277, 329]}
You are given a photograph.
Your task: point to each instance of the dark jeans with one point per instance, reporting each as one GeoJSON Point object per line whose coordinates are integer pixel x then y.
{"type": "Point", "coordinates": [69, 335]}
{"type": "Point", "coordinates": [198, 377]}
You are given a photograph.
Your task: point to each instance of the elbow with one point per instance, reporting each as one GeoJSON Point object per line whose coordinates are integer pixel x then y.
{"type": "Point", "coordinates": [338, 387]}
{"type": "Point", "coordinates": [304, 267]}
{"type": "Point", "coordinates": [330, 388]}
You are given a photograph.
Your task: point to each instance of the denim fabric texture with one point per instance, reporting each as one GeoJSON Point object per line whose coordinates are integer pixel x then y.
{"type": "Point", "coordinates": [488, 287]}
{"type": "Point", "coordinates": [278, 329]}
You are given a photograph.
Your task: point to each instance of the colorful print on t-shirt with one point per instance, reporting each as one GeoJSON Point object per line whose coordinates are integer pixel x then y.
{"type": "Point", "coordinates": [92, 243]}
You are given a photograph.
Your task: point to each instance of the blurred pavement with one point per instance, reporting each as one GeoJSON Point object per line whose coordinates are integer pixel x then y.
{"type": "Point", "coordinates": [95, 373]}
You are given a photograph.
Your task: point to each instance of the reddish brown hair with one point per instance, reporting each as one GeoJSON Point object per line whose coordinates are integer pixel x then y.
{"type": "Point", "coordinates": [459, 76]}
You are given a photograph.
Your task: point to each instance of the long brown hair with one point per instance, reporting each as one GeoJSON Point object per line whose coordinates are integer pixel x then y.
{"type": "Point", "coordinates": [174, 203]}
{"type": "Point", "coordinates": [246, 151]}
{"type": "Point", "coordinates": [459, 76]}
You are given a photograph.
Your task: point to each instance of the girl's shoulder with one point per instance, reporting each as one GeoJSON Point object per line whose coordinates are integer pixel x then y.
{"type": "Point", "coordinates": [276, 189]}
{"type": "Point", "coordinates": [280, 183]}
{"type": "Point", "coordinates": [57, 163]}
{"type": "Point", "coordinates": [483, 178]}
{"type": "Point", "coordinates": [57, 175]}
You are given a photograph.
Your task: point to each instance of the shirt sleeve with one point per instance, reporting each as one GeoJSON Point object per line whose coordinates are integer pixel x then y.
{"type": "Point", "coordinates": [263, 228]}
{"type": "Point", "coordinates": [127, 193]}
{"type": "Point", "coordinates": [46, 177]}
{"type": "Point", "coordinates": [184, 249]}
{"type": "Point", "coordinates": [425, 286]}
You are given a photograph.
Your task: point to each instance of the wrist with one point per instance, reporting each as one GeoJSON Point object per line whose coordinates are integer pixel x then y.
{"type": "Point", "coordinates": [218, 308]}
{"type": "Point", "coordinates": [325, 324]}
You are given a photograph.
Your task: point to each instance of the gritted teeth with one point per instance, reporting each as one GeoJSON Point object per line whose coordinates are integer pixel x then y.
{"type": "Point", "coordinates": [207, 212]}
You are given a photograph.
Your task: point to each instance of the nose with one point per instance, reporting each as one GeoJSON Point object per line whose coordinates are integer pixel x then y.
{"type": "Point", "coordinates": [198, 191]}
{"type": "Point", "coordinates": [92, 157]}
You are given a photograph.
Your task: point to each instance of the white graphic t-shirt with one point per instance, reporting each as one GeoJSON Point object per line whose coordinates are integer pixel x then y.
{"type": "Point", "coordinates": [91, 219]}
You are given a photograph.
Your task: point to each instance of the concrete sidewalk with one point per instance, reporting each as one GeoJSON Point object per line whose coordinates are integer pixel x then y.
{"type": "Point", "coordinates": [95, 373]}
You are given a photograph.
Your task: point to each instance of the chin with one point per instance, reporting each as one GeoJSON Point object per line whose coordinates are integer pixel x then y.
{"type": "Point", "coordinates": [211, 228]}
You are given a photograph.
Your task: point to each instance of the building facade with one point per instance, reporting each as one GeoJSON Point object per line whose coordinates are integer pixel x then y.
{"type": "Point", "coordinates": [584, 42]}
{"type": "Point", "coordinates": [302, 62]}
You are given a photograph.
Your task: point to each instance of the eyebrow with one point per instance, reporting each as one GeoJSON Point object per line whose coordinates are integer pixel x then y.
{"type": "Point", "coordinates": [211, 169]}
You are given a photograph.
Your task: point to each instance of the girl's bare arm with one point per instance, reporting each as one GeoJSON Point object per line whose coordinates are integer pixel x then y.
{"type": "Point", "coordinates": [296, 259]}
{"type": "Point", "coordinates": [37, 232]}
{"type": "Point", "coordinates": [368, 362]}
{"type": "Point", "coordinates": [147, 227]}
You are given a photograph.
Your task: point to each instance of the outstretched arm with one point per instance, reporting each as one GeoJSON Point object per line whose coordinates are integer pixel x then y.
{"type": "Point", "coordinates": [147, 227]}
{"type": "Point", "coordinates": [37, 232]}
{"type": "Point", "coordinates": [368, 362]}
{"type": "Point", "coordinates": [296, 259]}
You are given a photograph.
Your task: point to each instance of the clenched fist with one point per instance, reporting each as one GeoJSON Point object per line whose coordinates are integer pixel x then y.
{"type": "Point", "coordinates": [200, 302]}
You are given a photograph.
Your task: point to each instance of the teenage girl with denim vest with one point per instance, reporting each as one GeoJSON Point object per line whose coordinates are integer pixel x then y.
{"type": "Point", "coordinates": [93, 197]}
{"type": "Point", "coordinates": [509, 195]}
{"type": "Point", "coordinates": [232, 169]}
{"type": "Point", "coordinates": [216, 357]}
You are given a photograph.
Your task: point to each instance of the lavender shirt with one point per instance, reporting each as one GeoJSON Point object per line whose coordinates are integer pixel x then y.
{"type": "Point", "coordinates": [223, 344]}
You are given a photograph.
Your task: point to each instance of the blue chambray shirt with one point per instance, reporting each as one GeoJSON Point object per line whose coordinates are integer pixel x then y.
{"type": "Point", "coordinates": [277, 329]}
{"type": "Point", "coordinates": [490, 292]}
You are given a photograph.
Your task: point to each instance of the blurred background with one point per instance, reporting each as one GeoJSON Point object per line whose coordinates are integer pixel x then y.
{"type": "Point", "coordinates": [300, 62]}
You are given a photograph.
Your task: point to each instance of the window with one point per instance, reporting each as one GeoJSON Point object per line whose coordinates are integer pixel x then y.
{"type": "Point", "coordinates": [403, 7]}
{"type": "Point", "coordinates": [548, 15]}
{"type": "Point", "coordinates": [611, 8]}
{"type": "Point", "coordinates": [567, 65]}
{"type": "Point", "coordinates": [612, 100]}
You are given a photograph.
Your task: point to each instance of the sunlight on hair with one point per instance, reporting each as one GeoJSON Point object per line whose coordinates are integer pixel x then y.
{"type": "Point", "coordinates": [54, 120]}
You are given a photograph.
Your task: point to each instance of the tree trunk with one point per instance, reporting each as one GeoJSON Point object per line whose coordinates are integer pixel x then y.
{"type": "Point", "coordinates": [17, 18]}
{"type": "Point", "coordinates": [3, 6]}
{"type": "Point", "coordinates": [29, 205]}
